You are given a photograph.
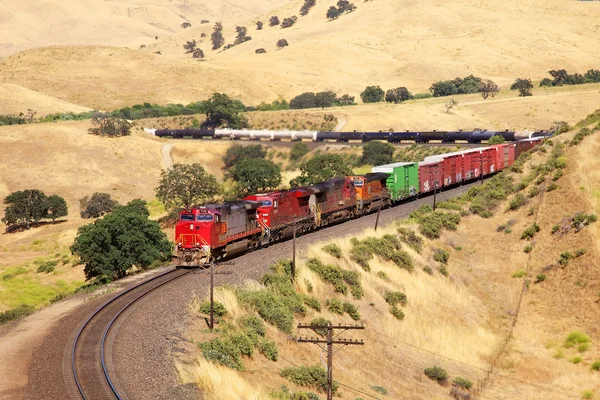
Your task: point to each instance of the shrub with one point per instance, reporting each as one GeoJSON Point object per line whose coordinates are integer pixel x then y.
{"type": "Point", "coordinates": [595, 366]}
{"type": "Point", "coordinates": [576, 360]}
{"type": "Point", "coordinates": [352, 311]}
{"type": "Point", "coordinates": [47, 267]}
{"type": "Point", "coordinates": [313, 376]}
{"type": "Point", "coordinates": [437, 374]}
{"type": "Point", "coordinates": [320, 321]}
{"type": "Point", "coordinates": [219, 309]}
{"type": "Point", "coordinates": [260, 51]}
{"type": "Point", "coordinates": [530, 232]}
{"type": "Point", "coordinates": [383, 275]}
{"type": "Point", "coordinates": [15, 313]}
{"type": "Point", "coordinates": [519, 274]}
{"type": "Point", "coordinates": [533, 191]}
{"type": "Point", "coordinates": [441, 256]}
{"type": "Point", "coordinates": [551, 187]}
{"type": "Point", "coordinates": [583, 347]}
{"type": "Point", "coordinates": [527, 249]}
{"type": "Point", "coordinates": [580, 252]}
{"type": "Point", "coordinates": [397, 313]}
{"type": "Point", "coordinates": [564, 259]}
{"type": "Point", "coordinates": [557, 174]}
{"type": "Point", "coordinates": [224, 352]}
{"type": "Point", "coordinates": [555, 228]}
{"type": "Point", "coordinates": [299, 150]}
{"type": "Point", "coordinates": [333, 249]}
{"type": "Point", "coordinates": [386, 247]}
{"type": "Point", "coordinates": [337, 277]}
{"type": "Point", "coordinates": [372, 94]}
{"type": "Point", "coordinates": [281, 43]}
{"type": "Point", "coordinates": [335, 306]}
{"type": "Point", "coordinates": [462, 382]}
{"type": "Point", "coordinates": [587, 394]}
{"type": "Point", "coordinates": [444, 271]}
{"type": "Point", "coordinates": [253, 324]}
{"type": "Point", "coordinates": [268, 348]}
{"type": "Point", "coordinates": [576, 338]}
{"type": "Point", "coordinates": [394, 298]}
{"type": "Point", "coordinates": [540, 278]}
{"type": "Point", "coordinates": [312, 302]}
{"type": "Point", "coordinates": [380, 389]}
{"type": "Point", "coordinates": [517, 202]}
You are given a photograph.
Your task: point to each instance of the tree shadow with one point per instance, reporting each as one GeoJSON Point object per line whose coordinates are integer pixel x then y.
{"type": "Point", "coordinates": [23, 226]}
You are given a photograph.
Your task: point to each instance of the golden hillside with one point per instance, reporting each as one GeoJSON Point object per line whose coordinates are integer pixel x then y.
{"type": "Point", "coordinates": [391, 43]}
{"type": "Point", "coordinates": [39, 23]}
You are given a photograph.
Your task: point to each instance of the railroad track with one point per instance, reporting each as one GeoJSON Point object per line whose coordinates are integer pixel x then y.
{"type": "Point", "coordinates": [90, 350]}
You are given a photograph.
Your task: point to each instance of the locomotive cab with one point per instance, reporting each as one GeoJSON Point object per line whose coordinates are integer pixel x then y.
{"type": "Point", "coordinates": [195, 233]}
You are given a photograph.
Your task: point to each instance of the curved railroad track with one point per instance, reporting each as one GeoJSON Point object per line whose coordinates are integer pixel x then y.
{"type": "Point", "coordinates": [89, 355]}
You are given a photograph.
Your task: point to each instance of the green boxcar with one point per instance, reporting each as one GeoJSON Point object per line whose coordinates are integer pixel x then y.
{"type": "Point", "coordinates": [403, 181]}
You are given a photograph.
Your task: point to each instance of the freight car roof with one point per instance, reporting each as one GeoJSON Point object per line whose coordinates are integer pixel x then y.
{"type": "Point", "coordinates": [389, 168]}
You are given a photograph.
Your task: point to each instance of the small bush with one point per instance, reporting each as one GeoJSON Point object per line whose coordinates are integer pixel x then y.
{"type": "Point", "coordinates": [519, 274]}
{"type": "Point", "coordinates": [595, 366]}
{"type": "Point", "coordinates": [383, 275]}
{"type": "Point", "coordinates": [380, 389]}
{"type": "Point", "coordinates": [441, 256]}
{"type": "Point", "coordinates": [219, 309]}
{"type": "Point", "coordinates": [224, 352]}
{"type": "Point", "coordinates": [551, 187]}
{"type": "Point", "coordinates": [517, 202]}
{"type": "Point", "coordinates": [268, 348]}
{"type": "Point", "coordinates": [444, 272]}
{"type": "Point", "coordinates": [333, 249]}
{"type": "Point", "coordinates": [576, 338]}
{"type": "Point", "coordinates": [530, 232]}
{"type": "Point", "coordinates": [313, 376]}
{"type": "Point", "coordinates": [557, 175]}
{"type": "Point", "coordinates": [437, 374]}
{"type": "Point", "coordinates": [312, 302]}
{"type": "Point", "coordinates": [352, 311]}
{"type": "Point", "coordinates": [580, 252]}
{"type": "Point", "coordinates": [47, 267]}
{"type": "Point", "coordinates": [540, 278]}
{"type": "Point", "coordinates": [564, 259]}
{"type": "Point", "coordinates": [394, 298]}
{"type": "Point", "coordinates": [462, 382]}
{"type": "Point", "coordinates": [587, 395]}
{"type": "Point", "coordinates": [427, 269]}
{"type": "Point", "coordinates": [15, 313]}
{"type": "Point", "coordinates": [531, 211]}
{"type": "Point", "coordinates": [411, 239]}
{"type": "Point", "coordinates": [397, 313]}
{"type": "Point", "coordinates": [576, 360]}
{"type": "Point", "coordinates": [335, 306]}
{"type": "Point", "coordinates": [555, 228]}
{"type": "Point", "coordinates": [583, 347]}
{"type": "Point", "coordinates": [533, 191]}
{"type": "Point", "coordinates": [320, 321]}
{"type": "Point", "coordinates": [253, 324]}
{"type": "Point", "coordinates": [527, 249]}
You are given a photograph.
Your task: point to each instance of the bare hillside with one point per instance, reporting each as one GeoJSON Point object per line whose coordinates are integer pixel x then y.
{"type": "Point", "coordinates": [392, 43]}
{"type": "Point", "coordinates": [39, 23]}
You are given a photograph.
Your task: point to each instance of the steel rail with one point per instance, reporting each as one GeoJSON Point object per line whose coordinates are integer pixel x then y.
{"type": "Point", "coordinates": [98, 311]}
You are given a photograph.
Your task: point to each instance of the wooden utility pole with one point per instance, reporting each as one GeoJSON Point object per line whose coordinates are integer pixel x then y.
{"type": "Point", "coordinates": [294, 254]}
{"type": "Point", "coordinates": [435, 183]}
{"type": "Point", "coordinates": [377, 218]}
{"type": "Point", "coordinates": [330, 341]}
{"type": "Point", "coordinates": [212, 308]}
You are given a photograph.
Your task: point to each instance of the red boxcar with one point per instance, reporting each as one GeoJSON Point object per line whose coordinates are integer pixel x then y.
{"type": "Point", "coordinates": [452, 167]}
{"type": "Point", "coordinates": [430, 174]}
{"type": "Point", "coordinates": [503, 159]}
{"type": "Point", "coordinates": [471, 165]}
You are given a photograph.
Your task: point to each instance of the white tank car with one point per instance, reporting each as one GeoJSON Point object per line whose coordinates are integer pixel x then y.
{"type": "Point", "coordinates": [264, 134]}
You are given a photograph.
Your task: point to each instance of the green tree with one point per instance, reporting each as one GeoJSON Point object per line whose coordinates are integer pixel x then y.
{"type": "Point", "coordinates": [372, 94]}
{"type": "Point", "coordinates": [216, 37]}
{"type": "Point", "coordinates": [397, 95]}
{"type": "Point", "coordinates": [524, 87]}
{"type": "Point", "coordinates": [221, 111]}
{"type": "Point", "coordinates": [184, 186]}
{"type": "Point", "coordinates": [325, 99]}
{"type": "Point", "coordinates": [254, 175]}
{"type": "Point", "coordinates": [320, 168]}
{"type": "Point", "coordinates": [497, 139]}
{"type": "Point", "coordinates": [488, 88]}
{"type": "Point", "coordinates": [96, 206]}
{"type": "Point", "coordinates": [304, 100]}
{"type": "Point", "coordinates": [281, 43]}
{"type": "Point", "coordinates": [443, 88]}
{"type": "Point", "coordinates": [56, 207]}
{"type": "Point", "coordinates": [237, 153]}
{"type": "Point", "coordinates": [333, 13]}
{"type": "Point", "coordinates": [108, 125]}
{"type": "Point", "coordinates": [25, 206]}
{"type": "Point", "coordinates": [377, 153]}
{"type": "Point", "coordinates": [299, 150]}
{"type": "Point", "coordinates": [113, 245]}
{"type": "Point", "coordinates": [274, 20]}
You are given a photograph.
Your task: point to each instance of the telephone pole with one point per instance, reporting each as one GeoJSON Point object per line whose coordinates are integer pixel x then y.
{"type": "Point", "coordinates": [377, 218]}
{"type": "Point", "coordinates": [330, 341]}
{"type": "Point", "coordinates": [294, 254]}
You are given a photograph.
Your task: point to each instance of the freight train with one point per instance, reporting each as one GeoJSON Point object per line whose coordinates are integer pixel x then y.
{"type": "Point", "coordinates": [475, 136]}
{"type": "Point", "coordinates": [215, 231]}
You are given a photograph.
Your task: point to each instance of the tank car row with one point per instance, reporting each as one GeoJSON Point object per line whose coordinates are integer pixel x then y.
{"type": "Point", "coordinates": [214, 231]}
{"type": "Point", "coordinates": [475, 136]}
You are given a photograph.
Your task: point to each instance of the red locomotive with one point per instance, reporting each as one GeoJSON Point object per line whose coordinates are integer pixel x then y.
{"type": "Point", "coordinates": [215, 231]}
